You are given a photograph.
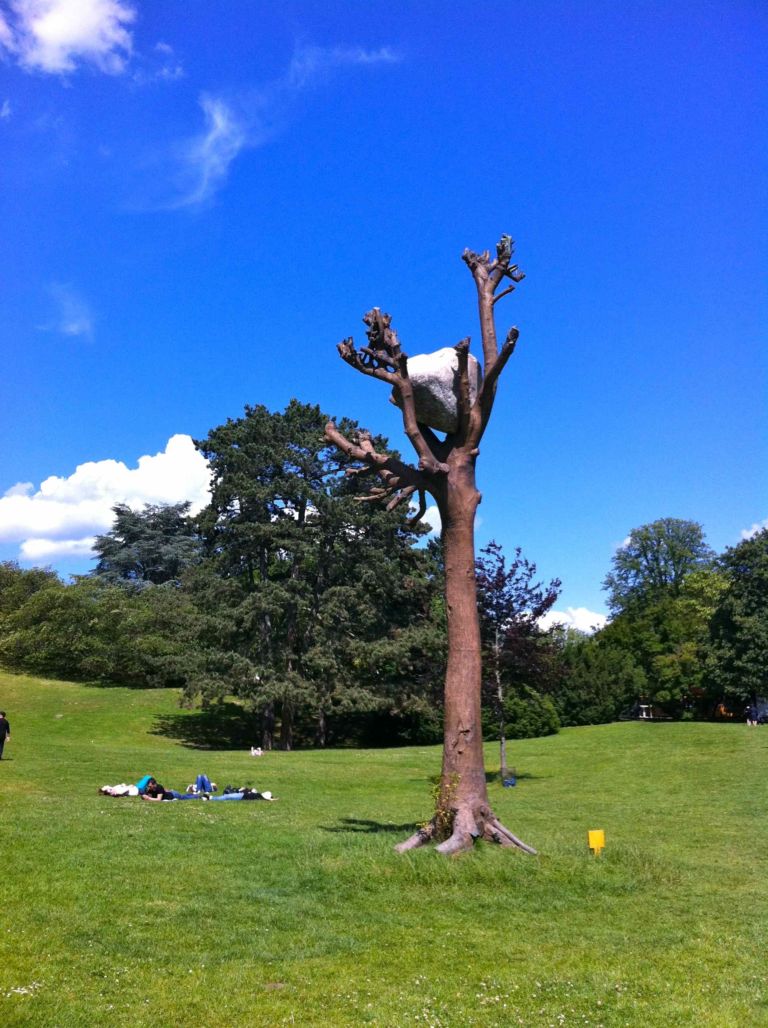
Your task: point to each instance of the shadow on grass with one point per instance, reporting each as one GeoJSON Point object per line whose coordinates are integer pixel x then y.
{"type": "Point", "coordinates": [522, 776]}
{"type": "Point", "coordinates": [104, 683]}
{"type": "Point", "coordinates": [223, 727]}
{"type": "Point", "coordinates": [356, 824]}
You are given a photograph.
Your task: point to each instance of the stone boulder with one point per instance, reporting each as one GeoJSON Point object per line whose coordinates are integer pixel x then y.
{"type": "Point", "coordinates": [435, 380]}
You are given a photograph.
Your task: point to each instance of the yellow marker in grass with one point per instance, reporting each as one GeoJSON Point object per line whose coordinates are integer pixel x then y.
{"type": "Point", "coordinates": [596, 840]}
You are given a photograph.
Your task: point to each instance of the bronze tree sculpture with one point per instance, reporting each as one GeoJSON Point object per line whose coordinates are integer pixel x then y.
{"type": "Point", "coordinates": [446, 469]}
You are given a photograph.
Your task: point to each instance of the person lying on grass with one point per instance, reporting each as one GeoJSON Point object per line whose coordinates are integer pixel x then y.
{"type": "Point", "coordinates": [202, 784]}
{"type": "Point", "coordinates": [156, 793]}
{"type": "Point", "coordinates": [244, 793]}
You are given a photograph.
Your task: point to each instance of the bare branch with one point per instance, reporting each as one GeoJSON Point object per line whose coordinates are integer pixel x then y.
{"type": "Point", "coordinates": [437, 446]}
{"type": "Point", "coordinates": [479, 265]}
{"type": "Point", "coordinates": [363, 362]}
{"type": "Point", "coordinates": [427, 460]}
{"type": "Point", "coordinates": [489, 382]}
{"type": "Point", "coordinates": [395, 475]}
{"type": "Point", "coordinates": [400, 497]}
{"type": "Point", "coordinates": [501, 268]}
{"type": "Point", "coordinates": [502, 294]}
{"type": "Point", "coordinates": [463, 395]}
{"type": "Point", "coordinates": [481, 411]}
{"type": "Point", "coordinates": [420, 512]}
{"type": "Point", "coordinates": [384, 348]}
{"type": "Point", "coordinates": [488, 275]}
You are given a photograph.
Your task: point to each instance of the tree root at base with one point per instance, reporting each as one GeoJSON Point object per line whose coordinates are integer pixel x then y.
{"type": "Point", "coordinates": [468, 826]}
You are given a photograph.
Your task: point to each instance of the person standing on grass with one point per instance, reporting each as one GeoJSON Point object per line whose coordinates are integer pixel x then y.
{"type": "Point", "coordinates": [5, 731]}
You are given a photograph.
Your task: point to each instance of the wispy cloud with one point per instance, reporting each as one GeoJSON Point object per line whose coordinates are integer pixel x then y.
{"type": "Point", "coordinates": [73, 316]}
{"type": "Point", "coordinates": [158, 65]}
{"type": "Point", "coordinates": [310, 62]}
{"type": "Point", "coordinates": [54, 36]}
{"type": "Point", "coordinates": [251, 119]}
{"type": "Point", "coordinates": [205, 160]}
{"type": "Point", "coordinates": [5, 110]}
{"type": "Point", "coordinates": [65, 513]}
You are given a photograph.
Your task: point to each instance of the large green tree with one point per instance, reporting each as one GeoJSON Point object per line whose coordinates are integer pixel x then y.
{"type": "Point", "coordinates": [599, 679]}
{"type": "Point", "coordinates": [666, 636]}
{"type": "Point", "coordinates": [737, 662]}
{"type": "Point", "coordinates": [662, 589]}
{"type": "Point", "coordinates": [654, 562]}
{"type": "Point", "coordinates": [318, 576]}
{"type": "Point", "coordinates": [147, 547]}
{"type": "Point", "coordinates": [18, 584]}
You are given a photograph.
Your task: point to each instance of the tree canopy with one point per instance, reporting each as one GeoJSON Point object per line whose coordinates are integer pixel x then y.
{"type": "Point", "coordinates": [654, 562]}
{"type": "Point", "coordinates": [147, 547]}
{"type": "Point", "coordinates": [319, 575]}
{"type": "Point", "coordinates": [737, 664]}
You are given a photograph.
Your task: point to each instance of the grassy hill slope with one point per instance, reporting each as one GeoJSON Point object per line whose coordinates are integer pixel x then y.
{"type": "Point", "coordinates": [119, 912]}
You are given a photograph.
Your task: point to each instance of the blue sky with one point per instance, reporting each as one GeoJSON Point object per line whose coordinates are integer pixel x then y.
{"type": "Point", "coordinates": [198, 201]}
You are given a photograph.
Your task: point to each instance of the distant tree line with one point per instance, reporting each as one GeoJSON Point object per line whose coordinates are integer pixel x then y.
{"type": "Point", "coordinates": [688, 634]}
{"type": "Point", "coordinates": [322, 614]}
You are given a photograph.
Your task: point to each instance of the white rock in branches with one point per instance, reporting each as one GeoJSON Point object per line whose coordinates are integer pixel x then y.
{"type": "Point", "coordinates": [435, 380]}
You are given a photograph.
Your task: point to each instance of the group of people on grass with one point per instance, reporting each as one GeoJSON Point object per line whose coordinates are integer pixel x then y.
{"type": "Point", "coordinates": [148, 788]}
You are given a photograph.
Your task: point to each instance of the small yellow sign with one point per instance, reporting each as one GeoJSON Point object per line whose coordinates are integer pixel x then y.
{"type": "Point", "coordinates": [596, 840]}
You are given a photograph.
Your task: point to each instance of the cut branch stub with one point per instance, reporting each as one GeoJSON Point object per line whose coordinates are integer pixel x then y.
{"type": "Point", "coordinates": [382, 338]}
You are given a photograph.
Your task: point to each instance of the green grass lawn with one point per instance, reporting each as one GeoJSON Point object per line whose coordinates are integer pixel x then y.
{"type": "Point", "coordinates": [119, 912]}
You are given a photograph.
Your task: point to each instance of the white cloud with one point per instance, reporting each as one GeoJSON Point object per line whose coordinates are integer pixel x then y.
{"type": "Point", "coordinates": [6, 35]}
{"type": "Point", "coordinates": [5, 110]}
{"type": "Point", "coordinates": [37, 550]}
{"type": "Point", "coordinates": [432, 518]}
{"type": "Point", "coordinates": [55, 35]}
{"type": "Point", "coordinates": [250, 120]}
{"type": "Point", "coordinates": [20, 489]}
{"type": "Point", "coordinates": [74, 316]}
{"type": "Point", "coordinates": [65, 513]}
{"type": "Point", "coordinates": [580, 618]}
{"type": "Point", "coordinates": [758, 526]}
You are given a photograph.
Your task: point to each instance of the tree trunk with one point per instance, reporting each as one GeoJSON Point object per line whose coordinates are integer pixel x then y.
{"type": "Point", "coordinates": [268, 727]}
{"type": "Point", "coordinates": [321, 732]}
{"type": "Point", "coordinates": [463, 812]}
{"type": "Point", "coordinates": [503, 754]}
{"type": "Point", "coordinates": [500, 708]}
{"type": "Point", "coordinates": [463, 776]}
{"type": "Point", "coordinates": [286, 726]}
